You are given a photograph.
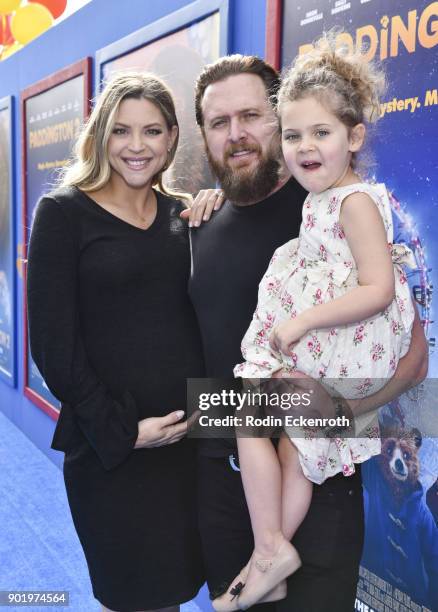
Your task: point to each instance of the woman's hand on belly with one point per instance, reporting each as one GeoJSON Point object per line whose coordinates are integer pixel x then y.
{"type": "Point", "coordinates": [160, 431]}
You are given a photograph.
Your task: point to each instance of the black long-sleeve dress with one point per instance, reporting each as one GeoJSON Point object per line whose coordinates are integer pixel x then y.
{"type": "Point", "coordinates": [115, 337]}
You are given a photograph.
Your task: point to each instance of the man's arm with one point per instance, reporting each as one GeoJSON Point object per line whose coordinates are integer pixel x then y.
{"type": "Point", "coordinates": [411, 371]}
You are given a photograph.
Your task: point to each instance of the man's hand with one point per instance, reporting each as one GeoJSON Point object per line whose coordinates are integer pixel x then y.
{"type": "Point", "coordinates": [286, 334]}
{"type": "Point", "coordinates": [321, 403]}
{"type": "Point", "coordinates": [160, 431]}
{"type": "Point", "coordinates": [203, 205]}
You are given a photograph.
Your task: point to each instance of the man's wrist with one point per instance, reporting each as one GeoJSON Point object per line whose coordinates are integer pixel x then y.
{"type": "Point", "coordinates": [344, 417]}
{"type": "Point", "coordinates": [354, 406]}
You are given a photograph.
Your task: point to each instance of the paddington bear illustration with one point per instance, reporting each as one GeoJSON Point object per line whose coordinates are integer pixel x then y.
{"type": "Point", "coordinates": [401, 542]}
{"type": "Point", "coordinates": [432, 500]}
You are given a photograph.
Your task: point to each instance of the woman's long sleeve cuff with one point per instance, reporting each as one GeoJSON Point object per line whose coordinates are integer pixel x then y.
{"type": "Point", "coordinates": [110, 426]}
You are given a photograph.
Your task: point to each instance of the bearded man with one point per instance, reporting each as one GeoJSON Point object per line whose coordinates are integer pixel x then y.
{"type": "Point", "coordinates": [230, 255]}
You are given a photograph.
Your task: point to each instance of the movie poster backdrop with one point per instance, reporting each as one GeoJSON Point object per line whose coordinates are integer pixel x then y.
{"type": "Point", "coordinates": [400, 561]}
{"type": "Point", "coordinates": [7, 274]}
{"type": "Point", "coordinates": [178, 57]}
{"type": "Point", "coordinates": [53, 112]}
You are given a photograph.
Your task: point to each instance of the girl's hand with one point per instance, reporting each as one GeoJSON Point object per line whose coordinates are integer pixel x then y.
{"type": "Point", "coordinates": [203, 205]}
{"type": "Point", "coordinates": [160, 431]}
{"type": "Point", "coordinates": [286, 334]}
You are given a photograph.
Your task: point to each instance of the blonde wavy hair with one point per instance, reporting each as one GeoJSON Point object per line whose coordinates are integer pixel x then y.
{"type": "Point", "coordinates": [89, 168]}
{"type": "Point", "coordinates": [342, 80]}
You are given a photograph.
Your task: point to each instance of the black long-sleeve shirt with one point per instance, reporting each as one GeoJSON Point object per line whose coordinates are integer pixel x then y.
{"type": "Point", "coordinates": [112, 329]}
{"type": "Point", "coordinates": [230, 254]}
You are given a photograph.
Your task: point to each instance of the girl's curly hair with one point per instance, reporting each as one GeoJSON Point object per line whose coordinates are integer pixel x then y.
{"type": "Point", "coordinates": [345, 81]}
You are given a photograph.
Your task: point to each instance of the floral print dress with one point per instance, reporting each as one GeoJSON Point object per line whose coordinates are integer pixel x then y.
{"type": "Point", "coordinates": [358, 359]}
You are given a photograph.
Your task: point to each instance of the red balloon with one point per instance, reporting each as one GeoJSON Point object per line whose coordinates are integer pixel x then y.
{"type": "Point", "coordinates": [6, 37]}
{"type": "Point", "coordinates": [56, 7]}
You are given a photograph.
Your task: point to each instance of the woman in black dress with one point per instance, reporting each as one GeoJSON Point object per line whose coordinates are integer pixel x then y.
{"type": "Point", "coordinates": [115, 338]}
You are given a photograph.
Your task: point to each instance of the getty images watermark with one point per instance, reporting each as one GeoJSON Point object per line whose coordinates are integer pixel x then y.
{"type": "Point", "coordinates": [243, 400]}
{"type": "Point", "coordinates": [255, 408]}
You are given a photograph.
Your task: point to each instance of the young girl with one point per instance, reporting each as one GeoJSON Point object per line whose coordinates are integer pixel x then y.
{"type": "Point", "coordinates": [334, 303]}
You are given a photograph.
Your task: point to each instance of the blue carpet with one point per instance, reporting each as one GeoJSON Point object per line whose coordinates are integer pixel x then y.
{"type": "Point", "coordinates": [39, 549]}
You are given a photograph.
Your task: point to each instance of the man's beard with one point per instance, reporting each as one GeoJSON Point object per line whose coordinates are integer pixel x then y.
{"type": "Point", "coordinates": [247, 185]}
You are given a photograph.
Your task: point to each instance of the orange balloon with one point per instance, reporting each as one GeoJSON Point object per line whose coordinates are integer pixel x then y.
{"type": "Point", "coordinates": [30, 21]}
{"type": "Point", "coordinates": [56, 7]}
{"type": "Point", "coordinates": [8, 6]}
{"type": "Point", "coordinates": [6, 37]}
